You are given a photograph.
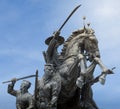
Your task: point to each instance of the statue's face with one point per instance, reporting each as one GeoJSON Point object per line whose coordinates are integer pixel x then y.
{"type": "Point", "coordinates": [48, 70]}
{"type": "Point", "coordinates": [24, 85]}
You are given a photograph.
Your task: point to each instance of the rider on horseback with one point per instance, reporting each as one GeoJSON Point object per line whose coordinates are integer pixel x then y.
{"type": "Point", "coordinates": [53, 42]}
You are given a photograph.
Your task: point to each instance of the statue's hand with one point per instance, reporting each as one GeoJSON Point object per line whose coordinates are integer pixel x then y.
{"type": "Point", "coordinates": [56, 33]}
{"type": "Point", "coordinates": [13, 80]}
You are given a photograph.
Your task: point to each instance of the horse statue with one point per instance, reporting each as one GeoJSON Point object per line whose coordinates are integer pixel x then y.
{"type": "Point", "coordinates": [80, 47]}
{"type": "Point", "coordinates": [72, 65]}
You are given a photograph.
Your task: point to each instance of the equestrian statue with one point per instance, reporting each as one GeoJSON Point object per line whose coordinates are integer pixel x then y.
{"type": "Point", "coordinates": [69, 74]}
{"type": "Point", "coordinates": [75, 66]}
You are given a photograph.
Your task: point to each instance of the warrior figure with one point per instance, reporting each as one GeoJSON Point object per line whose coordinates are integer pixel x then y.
{"type": "Point", "coordinates": [48, 88]}
{"type": "Point", "coordinates": [51, 55]}
{"type": "Point", "coordinates": [24, 100]}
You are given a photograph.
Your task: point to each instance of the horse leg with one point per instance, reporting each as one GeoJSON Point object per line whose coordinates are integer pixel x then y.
{"type": "Point", "coordinates": [87, 101]}
{"type": "Point", "coordinates": [102, 78]}
{"type": "Point", "coordinates": [82, 63]}
{"type": "Point", "coordinates": [72, 102]}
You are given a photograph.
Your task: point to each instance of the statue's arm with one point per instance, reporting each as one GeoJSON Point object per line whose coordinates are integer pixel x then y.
{"type": "Point", "coordinates": [11, 89]}
{"type": "Point", "coordinates": [51, 47]}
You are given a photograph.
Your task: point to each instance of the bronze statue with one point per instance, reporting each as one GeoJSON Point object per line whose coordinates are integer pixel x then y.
{"type": "Point", "coordinates": [68, 76]}
{"type": "Point", "coordinates": [77, 77]}
{"type": "Point", "coordinates": [24, 100]}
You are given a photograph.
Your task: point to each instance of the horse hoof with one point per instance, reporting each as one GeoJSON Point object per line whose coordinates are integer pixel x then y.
{"type": "Point", "coordinates": [102, 80]}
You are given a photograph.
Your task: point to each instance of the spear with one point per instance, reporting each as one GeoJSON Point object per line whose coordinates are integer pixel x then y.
{"type": "Point", "coordinates": [35, 91]}
{"type": "Point", "coordinates": [17, 79]}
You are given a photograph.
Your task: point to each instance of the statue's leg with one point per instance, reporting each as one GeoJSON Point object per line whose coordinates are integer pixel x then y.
{"type": "Point", "coordinates": [102, 78]}
{"type": "Point", "coordinates": [93, 104]}
{"type": "Point", "coordinates": [72, 102]}
{"type": "Point", "coordinates": [82, 64]}
{"type": "Point", "coordinates": [87, 101]}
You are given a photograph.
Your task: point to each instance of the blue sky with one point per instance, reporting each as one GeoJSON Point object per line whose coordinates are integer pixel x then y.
{"type": "Point", "coordinates": [25, 24]}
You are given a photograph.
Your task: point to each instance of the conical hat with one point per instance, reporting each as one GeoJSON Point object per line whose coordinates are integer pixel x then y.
{"type": "Point", "coordinates": [60, 40]}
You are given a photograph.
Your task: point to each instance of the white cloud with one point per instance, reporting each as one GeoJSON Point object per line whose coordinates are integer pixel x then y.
{"type": "Point", "coordinates": [107, 9]}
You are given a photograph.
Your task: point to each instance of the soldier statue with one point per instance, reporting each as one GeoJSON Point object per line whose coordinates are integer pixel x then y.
{"type": "Point", "coordinates": [49, 88]}
{"type": "Point", "coordinates": [24, 100]}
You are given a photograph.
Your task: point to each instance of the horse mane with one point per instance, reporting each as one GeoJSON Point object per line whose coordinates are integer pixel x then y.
{"type": "Point", "coordinates": [72, 36]}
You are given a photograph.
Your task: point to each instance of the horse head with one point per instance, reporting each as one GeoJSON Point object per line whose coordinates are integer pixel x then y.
{"type": "Point", "coordinates": [91, 45]}
{"type": "Point", "coordinates": [82, 41]}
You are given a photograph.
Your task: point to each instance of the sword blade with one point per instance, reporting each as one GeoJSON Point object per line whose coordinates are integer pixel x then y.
{"type": "Point", "coordinates": [30, 76]}
{"type": "Point", "coordinates": [17, 79]}
{"type": "Point", "coordinates": [69, 17]}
